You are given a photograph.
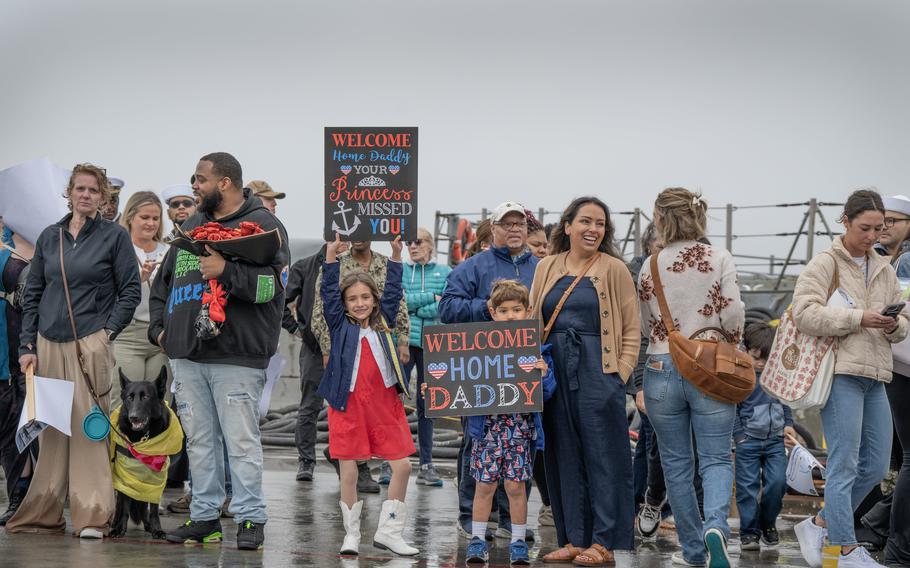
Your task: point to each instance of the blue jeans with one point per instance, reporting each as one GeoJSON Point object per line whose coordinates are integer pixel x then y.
{"type": "Point", "coordinates": [858, 430]}
{"type": "Point", "coordinates": [424, 424]}
{"type": "Point", "coordinates": [219, 405]}
{"type": "Point", "coordinates": [677, 411]}
{"type": "Point", "coordinates": [761, 465]}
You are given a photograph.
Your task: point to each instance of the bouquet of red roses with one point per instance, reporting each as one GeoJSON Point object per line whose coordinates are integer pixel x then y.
{"type": "Point", "coordinates": [214, 297]}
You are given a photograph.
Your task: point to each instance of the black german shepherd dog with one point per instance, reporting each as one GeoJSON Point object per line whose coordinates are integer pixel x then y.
{"type": "Point", "coordinates": [143, 415]}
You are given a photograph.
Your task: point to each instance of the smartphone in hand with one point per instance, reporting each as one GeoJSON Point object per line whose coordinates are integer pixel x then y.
{"type": "Point", "coordinates": [893, 310]}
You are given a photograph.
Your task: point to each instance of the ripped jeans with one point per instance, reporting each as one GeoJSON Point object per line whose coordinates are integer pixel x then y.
{"type": "Point", "coordinates": [219, 404]}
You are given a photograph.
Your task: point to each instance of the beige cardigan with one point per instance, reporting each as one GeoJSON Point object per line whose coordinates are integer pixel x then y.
{"type": "Point", "coordinates": [861, 351]}
{"type": "Point", "coordinates": [619, 316]}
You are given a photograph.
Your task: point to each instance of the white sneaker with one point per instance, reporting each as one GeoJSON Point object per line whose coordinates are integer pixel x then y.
{"type": "Point", "coordinates": [91, 533]}
{"type": "Point", "coordinates": [811, 539]}
{"type": "Point", "coordinates": [678, 559]}
{"type": "Point", "coordinates": [649, 518]}
{"type": "Point", "coordinates": [859, 557]}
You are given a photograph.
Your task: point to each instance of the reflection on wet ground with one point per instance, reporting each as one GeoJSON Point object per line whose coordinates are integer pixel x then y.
{"type": "Point", "coordinates": [305, 530]}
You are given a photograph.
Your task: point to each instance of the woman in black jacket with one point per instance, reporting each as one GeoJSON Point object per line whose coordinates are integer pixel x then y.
{"type": "Point", "coordinates": [103, 281]}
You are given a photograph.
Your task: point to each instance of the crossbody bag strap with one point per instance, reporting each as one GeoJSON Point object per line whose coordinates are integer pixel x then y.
{"type": "Point", "coordinates": [661, 299]}
{"type": "Point", "coordinates": [69, 309]}
{"type": "Point", "coordinates": [565, 296]}
{"type": "Point", "coordinates": [835, 280]}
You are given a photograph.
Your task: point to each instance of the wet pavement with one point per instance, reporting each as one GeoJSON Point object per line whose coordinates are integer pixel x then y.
{"type": "Point", "coordinates": [305, 530]}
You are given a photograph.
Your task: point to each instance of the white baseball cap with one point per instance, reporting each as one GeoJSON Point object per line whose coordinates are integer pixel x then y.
{"type": "Point", "coordinates": [504, 209]}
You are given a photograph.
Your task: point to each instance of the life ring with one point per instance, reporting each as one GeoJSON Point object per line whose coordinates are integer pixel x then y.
{"type": "Point", "coordinates": [464, 237]}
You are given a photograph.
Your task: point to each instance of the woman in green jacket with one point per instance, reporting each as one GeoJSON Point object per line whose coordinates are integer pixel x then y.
{"type": "Point", "coordinates": [424, 281]}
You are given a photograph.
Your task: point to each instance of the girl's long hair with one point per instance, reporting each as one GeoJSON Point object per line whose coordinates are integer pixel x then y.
{"type": "Point", "coordinates": [361, 277]}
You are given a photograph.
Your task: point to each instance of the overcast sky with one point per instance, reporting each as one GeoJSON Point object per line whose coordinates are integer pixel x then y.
{"type": "Point", "coordinates": [751, 102]}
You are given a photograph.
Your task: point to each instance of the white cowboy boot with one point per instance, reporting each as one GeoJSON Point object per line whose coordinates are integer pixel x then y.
{"type": "Point", "coordinates": [351, 519]}
{"type": "Point", "coordinates": [391, 526]}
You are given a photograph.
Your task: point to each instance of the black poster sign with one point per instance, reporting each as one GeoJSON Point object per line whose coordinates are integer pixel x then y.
{"type": "Point", "coordinates": [370, 183]}
{"type": "Point", "coordinates": [476, 369]}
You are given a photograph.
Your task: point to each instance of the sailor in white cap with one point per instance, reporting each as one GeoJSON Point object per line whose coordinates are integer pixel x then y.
{"type": "Point", "coordinates": [894, 239]}
{"type": "Point", "coordinates": [181, 204]}
{"type": "Point", "coordinates": [111, 210]}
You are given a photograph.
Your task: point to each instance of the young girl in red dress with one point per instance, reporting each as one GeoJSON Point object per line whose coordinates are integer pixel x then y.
{"type": "Point", "coordinates": [363, 384]}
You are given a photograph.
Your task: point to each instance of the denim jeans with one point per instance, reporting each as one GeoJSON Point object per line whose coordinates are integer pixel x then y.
{"type": "Point", "coordinates": [219, 404]}
{"type": "Point", "coordinates": [424, 424]}
{"type": "Point", "coordinates": [858, 430]}
{"type": "Point", "coordinates": [761, 466]}
{"type": "Point", "coordinates": [678, 410]}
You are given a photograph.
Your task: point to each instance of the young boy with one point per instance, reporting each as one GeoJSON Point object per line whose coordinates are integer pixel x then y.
{"type": "Point", "coordinates": [503, 445]}
{"type": "Point", "coordinates": [761, 424]}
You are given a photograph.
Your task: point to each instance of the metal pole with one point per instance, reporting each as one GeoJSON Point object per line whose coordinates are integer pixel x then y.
{"type": "Point", "coordinates": [772, 266]}
{"type": "Point", "coordinates": [436, 230]}
{"type": "Point", "coordinates": [636, 219]}
{"type": "Point", "coordinates": [483, 214]}
{"type": "Point", "coordinates": [783, 270]}
{"type": "Point", "coordinates": [810, 238]}
{"type": "Point", "coordinates": [540, 214]}
{"type": "Point", "coordinates": [730, 227]}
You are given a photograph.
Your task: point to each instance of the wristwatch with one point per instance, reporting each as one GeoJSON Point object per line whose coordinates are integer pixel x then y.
{"type": "Point", "coordinates": [110, 334]}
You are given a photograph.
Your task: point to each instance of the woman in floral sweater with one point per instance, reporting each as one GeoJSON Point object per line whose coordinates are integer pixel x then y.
{"type": "Point", "coordinates": [699, 282]}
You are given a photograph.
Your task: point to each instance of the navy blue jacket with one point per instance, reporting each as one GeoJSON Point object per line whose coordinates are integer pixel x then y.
{"type": "Point", "coordinates": [760, 416]}
{"type": "Point", "coordinates": [475, 423]}
{"type": "Point", "coordinates": [336, 381]}
{"type": "Point", "coordinates": [468, 285]}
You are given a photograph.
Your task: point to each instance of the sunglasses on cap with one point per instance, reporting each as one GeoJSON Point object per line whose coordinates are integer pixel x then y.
{"type": "Point", "coordinates": [175, 203]}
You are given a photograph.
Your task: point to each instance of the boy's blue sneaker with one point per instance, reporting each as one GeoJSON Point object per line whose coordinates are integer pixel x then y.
{"type": "Point", "coordinates": [477, 551]}
{"type": "Point", "coordinates": [518, 553]}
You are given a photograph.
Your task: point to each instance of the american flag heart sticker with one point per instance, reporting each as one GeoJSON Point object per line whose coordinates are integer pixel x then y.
{"type": "Point", "coordinates": [437, 370]}
{"type": "Point", "coordinates": [345, 169]}
{"type": "Point", "coordinates": [393, 169]}
{"type": "Point", "coordinates": [527, 363]}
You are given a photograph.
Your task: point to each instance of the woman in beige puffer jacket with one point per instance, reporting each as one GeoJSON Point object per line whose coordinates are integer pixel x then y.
{"type": "Point", "coordinates": [857, 416]}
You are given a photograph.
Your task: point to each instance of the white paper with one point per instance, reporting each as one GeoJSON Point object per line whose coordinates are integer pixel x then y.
{"type": "Point", "coordinates": [799, 470]}
{"type": "Point", "coordinates": [53, 408]}
{"type": "Point", "coordinates": [31, 197]}
{"type": "Point", "coordinates": [272, 372]}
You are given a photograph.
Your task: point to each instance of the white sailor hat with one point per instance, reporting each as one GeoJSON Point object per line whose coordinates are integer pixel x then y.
{"type": "Point", "coordinates": [178, 190]}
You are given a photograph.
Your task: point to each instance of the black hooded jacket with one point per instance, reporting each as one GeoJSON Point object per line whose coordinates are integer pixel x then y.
{"type": "Point", "coordinates": [255, 298]}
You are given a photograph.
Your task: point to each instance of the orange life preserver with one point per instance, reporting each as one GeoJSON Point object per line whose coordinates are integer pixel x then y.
{"type": "Point", "coordinates": [464, 237]}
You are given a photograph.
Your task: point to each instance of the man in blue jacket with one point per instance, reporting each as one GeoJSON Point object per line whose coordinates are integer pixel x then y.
{"type": "Point", "coordinates": [464, 301]}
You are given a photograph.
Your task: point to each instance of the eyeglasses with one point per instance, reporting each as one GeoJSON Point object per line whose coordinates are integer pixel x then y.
{"type": "Point", "coordinates": [890, 221]}
{"type": "Point", "coordinates": [510, 226]}
{"type": "Point", "coordinates": [416, 242]}
{"type": "Point", "coordinates": [175, 203]}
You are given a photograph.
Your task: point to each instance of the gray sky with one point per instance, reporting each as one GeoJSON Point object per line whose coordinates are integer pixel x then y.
{"type": "Point", "coordinates": [750, 101]}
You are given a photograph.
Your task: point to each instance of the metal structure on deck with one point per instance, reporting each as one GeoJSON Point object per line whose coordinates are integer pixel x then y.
{"type": "Point", "coordinates": [630, 224]}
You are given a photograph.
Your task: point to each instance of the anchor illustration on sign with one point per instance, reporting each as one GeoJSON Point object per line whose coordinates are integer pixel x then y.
{"type": "Point", "coordinates": [349, 227]}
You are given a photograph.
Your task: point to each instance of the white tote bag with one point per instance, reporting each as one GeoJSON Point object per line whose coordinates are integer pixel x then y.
{"type": "Point", "coordinates": [800, 367]}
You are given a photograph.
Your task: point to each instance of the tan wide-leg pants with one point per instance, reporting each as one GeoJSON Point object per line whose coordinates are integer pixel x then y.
{"type": "Point", "coordinates": [71, 466]}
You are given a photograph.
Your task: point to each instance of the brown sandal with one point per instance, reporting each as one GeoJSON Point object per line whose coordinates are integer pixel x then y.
{"type": "Point", "coordinates": [597, 555]}
{"type": "Point", "coordinates": [563, 555]}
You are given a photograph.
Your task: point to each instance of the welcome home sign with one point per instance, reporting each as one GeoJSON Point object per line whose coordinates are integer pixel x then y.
{"type": "Point", "coordinates": [482, 368]}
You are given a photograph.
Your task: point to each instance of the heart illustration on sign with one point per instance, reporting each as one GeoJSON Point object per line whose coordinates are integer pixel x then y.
{"type": "Point", "coordinates": [437, 370]}
{"type": "Point", "coordinates": [527, 363]}
{"type": "Point", "coordinates": [345, 169]}
{"type": "Point", "coordinates": [393, 169]}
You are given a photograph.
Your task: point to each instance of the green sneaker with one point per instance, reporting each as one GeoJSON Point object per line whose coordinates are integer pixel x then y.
{"type": "Point", "coordinates": [197, 532]}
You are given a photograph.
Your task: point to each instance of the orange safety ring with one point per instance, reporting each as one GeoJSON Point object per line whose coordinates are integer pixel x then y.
{"type": "Point", "coordinates": [464, 237]}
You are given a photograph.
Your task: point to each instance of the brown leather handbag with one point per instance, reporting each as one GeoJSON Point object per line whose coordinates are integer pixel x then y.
{"type": "Point", "coordinates": [716, 368]}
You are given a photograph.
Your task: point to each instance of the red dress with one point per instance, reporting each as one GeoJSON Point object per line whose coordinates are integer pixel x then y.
{"type": "Point", "coordinates": [374, 424]}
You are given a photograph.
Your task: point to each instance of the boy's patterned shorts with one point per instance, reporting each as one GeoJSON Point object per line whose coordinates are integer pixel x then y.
{"type": "Point", "coordinates": [505, 450]}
